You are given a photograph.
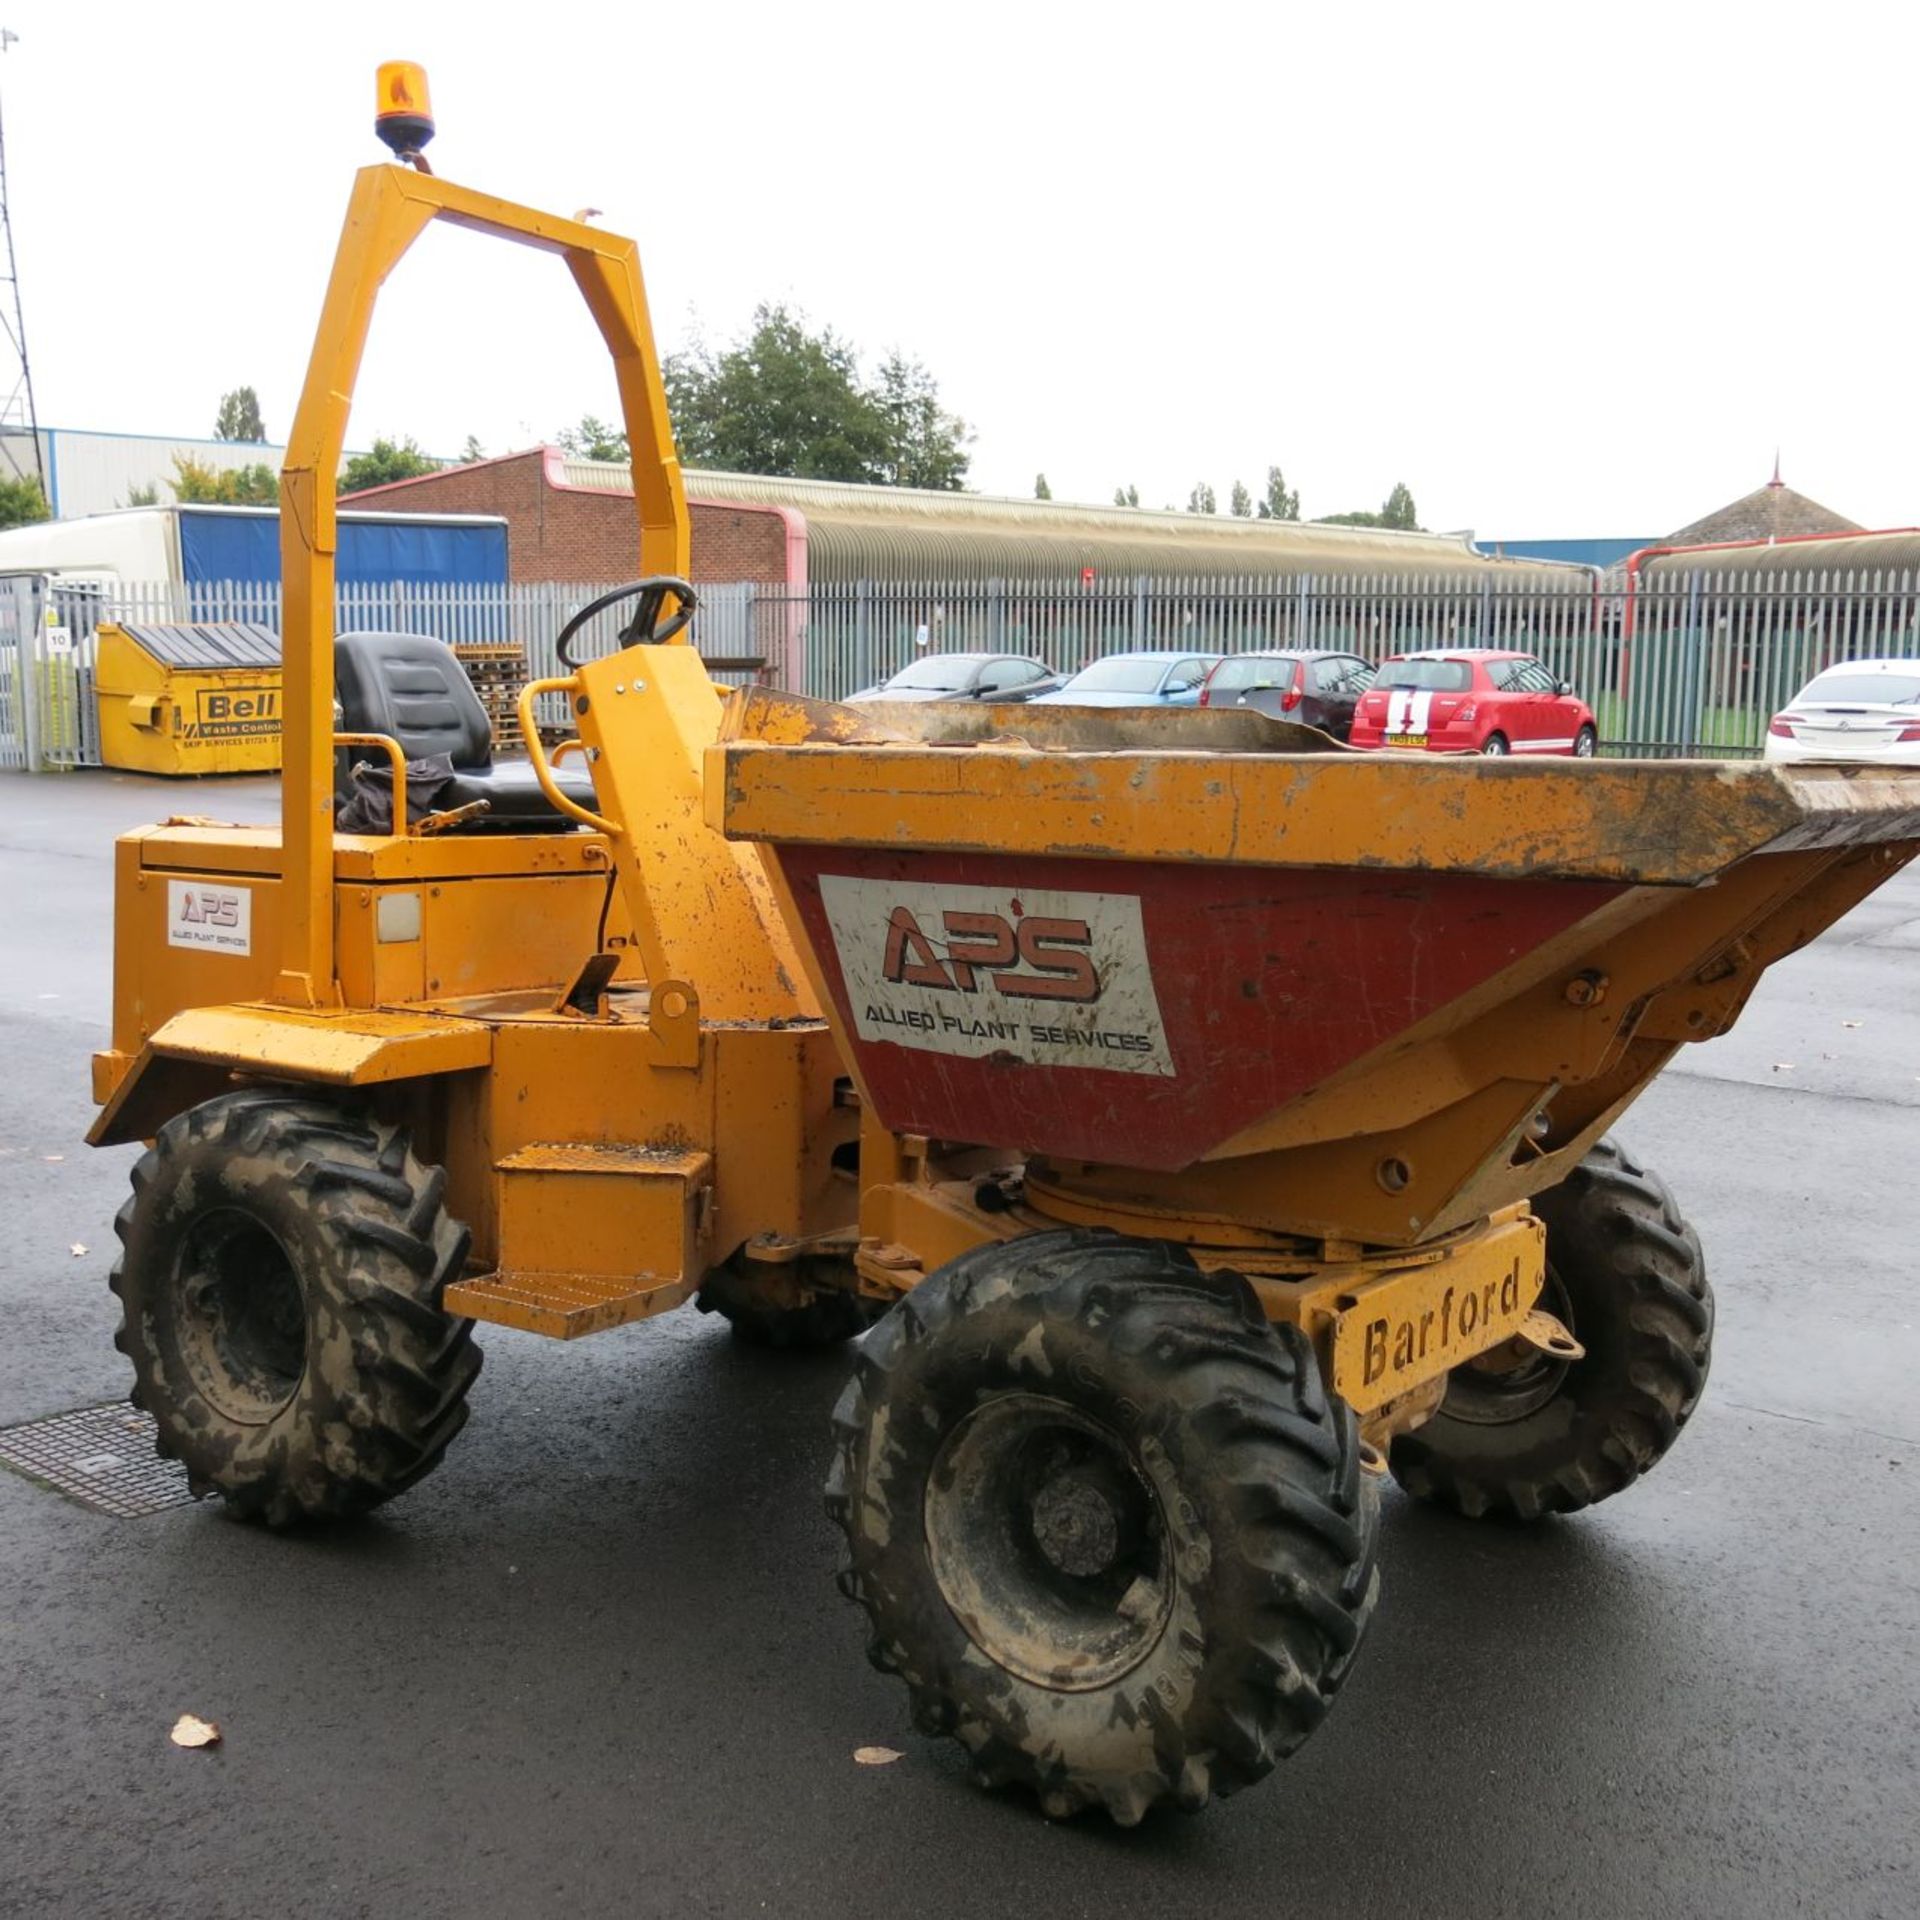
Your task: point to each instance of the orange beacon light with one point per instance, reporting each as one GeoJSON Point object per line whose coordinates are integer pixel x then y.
{"type": "Point", "coordinates": [404, 116]}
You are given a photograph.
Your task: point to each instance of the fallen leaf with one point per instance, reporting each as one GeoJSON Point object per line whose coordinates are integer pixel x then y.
{"type": "Point", "coordinates": [77, 1249]}
{"type": "Point", "coordinates": [1853, 1023]}
{"type": "Point", "coordinates": [1783, 1066]}
{"type": "Point", "coordinates": [876, 1756]}
{"type": "Point", "coordinates": [191, 1731]}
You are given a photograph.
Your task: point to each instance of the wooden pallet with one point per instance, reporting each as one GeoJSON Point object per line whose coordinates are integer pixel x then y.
{"type": "Point", "coordinates": [498, 670]}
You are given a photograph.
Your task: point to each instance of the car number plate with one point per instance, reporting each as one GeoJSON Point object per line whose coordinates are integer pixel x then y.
{"type": "Point", "coordinates": [1406, 739]}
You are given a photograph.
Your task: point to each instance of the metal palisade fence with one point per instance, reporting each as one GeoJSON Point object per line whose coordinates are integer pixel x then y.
{"type": "Point", "coordinates": [49, 625]}
{"type": "Point", "coordinates": [1693, 660]}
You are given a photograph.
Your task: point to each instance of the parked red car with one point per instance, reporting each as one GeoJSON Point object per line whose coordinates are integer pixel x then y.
{"type": "Point", "coordinates": [1473, 700]}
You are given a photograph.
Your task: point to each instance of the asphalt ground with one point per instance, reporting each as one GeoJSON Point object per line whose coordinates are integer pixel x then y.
{"type": "Point", "coordinates": [596, 1664]}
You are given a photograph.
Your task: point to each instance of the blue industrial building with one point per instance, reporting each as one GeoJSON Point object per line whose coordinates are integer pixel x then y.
{"type": "Point", "coordinates": [1600, 552]}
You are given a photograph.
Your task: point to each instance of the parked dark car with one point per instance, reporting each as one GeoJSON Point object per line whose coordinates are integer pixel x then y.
{"type": "Point", "coordinates": [1314, 686]}
{"type": "Point", "coordinates": [965, 676]}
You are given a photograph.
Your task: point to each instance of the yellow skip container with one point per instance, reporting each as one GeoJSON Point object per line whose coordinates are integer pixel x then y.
{"type": "Point", "coordinates": [189, 699]}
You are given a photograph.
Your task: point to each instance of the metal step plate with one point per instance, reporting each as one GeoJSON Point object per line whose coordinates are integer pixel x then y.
{"type": "Point", "coordinates": [564, 1306]}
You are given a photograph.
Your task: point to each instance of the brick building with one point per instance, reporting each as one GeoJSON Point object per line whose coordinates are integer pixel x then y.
{"type": "Point", "coordinates": [573, 520]}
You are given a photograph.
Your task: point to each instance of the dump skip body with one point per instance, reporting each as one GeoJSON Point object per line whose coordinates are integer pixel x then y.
{"type": "Point", "coordinates": [1339, 994]}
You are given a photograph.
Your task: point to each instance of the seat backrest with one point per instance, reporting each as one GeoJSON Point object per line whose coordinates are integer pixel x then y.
{"type": "Point", "coordinates": [409, 686]}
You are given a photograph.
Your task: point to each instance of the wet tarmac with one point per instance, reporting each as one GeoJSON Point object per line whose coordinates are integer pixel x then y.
{"type": "Point", "coordinates": [596, 1664]}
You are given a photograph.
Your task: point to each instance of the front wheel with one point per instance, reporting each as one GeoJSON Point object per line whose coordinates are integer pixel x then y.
{"type": "Point", "coordinates": [1626, 1274]}
{"type": "Point", "coordinates": [1105, 1521]}
{"type": "Point", "coordinates": [282, 1264]}
{"type": "Point", "coordinates": [1585, 744]}
{"type": "Point", "coordinates": [1494, 745]}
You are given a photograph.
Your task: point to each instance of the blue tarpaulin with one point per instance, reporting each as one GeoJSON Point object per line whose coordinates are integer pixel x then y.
{"type": "Point", "coordinates": [229, 545]}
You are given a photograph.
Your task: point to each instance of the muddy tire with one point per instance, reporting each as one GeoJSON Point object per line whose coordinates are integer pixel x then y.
{"type": "Point", "coordinates": [1627, 1275]}
{"type": "Point", "coordinates": [282, 1264]}
{"type": "Point", "coordinates": [1104, 1520]}
{"type": "Point", "coordinates": [774, 1306]}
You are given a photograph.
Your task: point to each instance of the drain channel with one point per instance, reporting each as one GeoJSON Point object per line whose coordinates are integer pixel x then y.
{"type": "Point", "coordinates": [101, 1456]}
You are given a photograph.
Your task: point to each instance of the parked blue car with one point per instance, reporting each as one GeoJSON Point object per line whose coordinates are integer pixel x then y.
{"type": "Point", "coordinates": [1169, 679]}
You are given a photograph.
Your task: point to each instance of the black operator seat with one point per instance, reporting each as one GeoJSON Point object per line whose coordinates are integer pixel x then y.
{"type": "Point", "coordinates": [410, 687]}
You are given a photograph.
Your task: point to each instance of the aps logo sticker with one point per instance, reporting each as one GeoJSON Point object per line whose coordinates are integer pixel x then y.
{"type": "Point", "coordinates": [214, 919]}
{"type": "Point", "coordinates": [1041, 975]}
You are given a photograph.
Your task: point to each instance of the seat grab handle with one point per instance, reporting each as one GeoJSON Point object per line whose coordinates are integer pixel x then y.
{"type": "Point", "coordinates": [537, 753]}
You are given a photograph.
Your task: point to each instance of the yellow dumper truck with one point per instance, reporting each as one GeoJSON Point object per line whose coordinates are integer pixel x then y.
{"type": "Point", "coordinates": [1195, 1118]}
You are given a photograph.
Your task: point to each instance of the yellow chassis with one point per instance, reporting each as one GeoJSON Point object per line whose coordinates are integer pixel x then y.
{"type": "Point", "coordinates": [584, 1152]}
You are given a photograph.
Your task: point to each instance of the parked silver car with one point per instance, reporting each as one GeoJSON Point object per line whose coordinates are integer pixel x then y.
{"type": "Point", "coordinates": [1169, 679]}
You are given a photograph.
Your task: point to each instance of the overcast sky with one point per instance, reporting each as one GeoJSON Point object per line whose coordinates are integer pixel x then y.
{"type": "Point", "coordinates": [1564, 270]}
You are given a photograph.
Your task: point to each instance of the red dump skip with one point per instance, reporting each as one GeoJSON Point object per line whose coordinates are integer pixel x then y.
{"type": "Point", "coordinates": [1243, 988]}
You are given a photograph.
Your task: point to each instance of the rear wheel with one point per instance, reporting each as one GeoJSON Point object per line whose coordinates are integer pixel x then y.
{"type": "Point", "coordinates": [1494, 745]}
{"type": "Point", "coordinates": [1105, 1521]}
{"type": "Point", "coordinates": [808, 1303]}
{"type": "Point", "coordinates": [1626, 1274]}
{"type": "Point", "coordinates": [1585, 744]}
{"type": "Point", "coordinates": [281, 1267]}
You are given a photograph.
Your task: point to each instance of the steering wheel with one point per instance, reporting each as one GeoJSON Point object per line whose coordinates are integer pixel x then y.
{"type": "Point", "coordinates": [646, 628]}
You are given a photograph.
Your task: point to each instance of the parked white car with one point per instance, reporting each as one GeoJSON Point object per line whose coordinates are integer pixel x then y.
{"type": "Point", "coordinates": [1861, 710]}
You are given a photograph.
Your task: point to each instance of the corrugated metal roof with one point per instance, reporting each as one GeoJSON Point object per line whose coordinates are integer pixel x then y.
{"type": "Point", "coordinates": [209, 647]}
{"type": "Point", "coordinates": [882, 533]}
{"type": "Point", "coordinates": [1847, 553]}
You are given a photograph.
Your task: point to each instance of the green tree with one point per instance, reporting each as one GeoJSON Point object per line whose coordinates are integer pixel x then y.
{"type": "Point", "coordinates": [1126, 496]}
{"type": "Point", "coordinates": [387, 460]}
{"type": "Point", "coordinates": [787, 400]}
{"type": "Point", "coordinates": [594, 439]}
{"type": "Point", "coordinates": [1041, 491]}
{"type": "Point", "coordinates": [472, 451]}
{"type": "Point", "coordinates": [195, 482]}
{"type": "Point", "coordinates": [1399, 509]}
{"type": "Point", "coordinates": [1240, 502]}
{"type": "Point", "coordinates": [239, 416]}
{"type": "Point", "coordinates": [1201, 499]}
{"type": "Point", "coordinates": [781, 400]}
{"type": "Point", "coordinates": [1280, 503]}
{"type": "Point", "coordinates": [1396, 511]}
{"type": "Point", "coordinates": [147, 496]}
{"type": "Point", "coordinates": [927, 444]}
{"type": "Point", "coordinates": [22, 504]}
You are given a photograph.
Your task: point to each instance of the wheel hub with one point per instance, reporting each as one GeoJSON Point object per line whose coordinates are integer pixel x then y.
{"type": "Point", "coordinates": [240, 1317]}
{"type": "Point", "coordinates": [1075, 1526]}
{"type": "Point", "coordinates": [1048, 1542]}
{"type": "Point", "coordinates": [1519, 1377]}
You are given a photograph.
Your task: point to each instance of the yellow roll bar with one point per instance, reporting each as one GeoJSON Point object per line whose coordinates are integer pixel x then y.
{"type": "Point", "coordinates": [391, 207]}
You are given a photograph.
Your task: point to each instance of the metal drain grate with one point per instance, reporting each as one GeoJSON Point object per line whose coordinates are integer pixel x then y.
{"type": "Point", "coordinates": [101, 1456]}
